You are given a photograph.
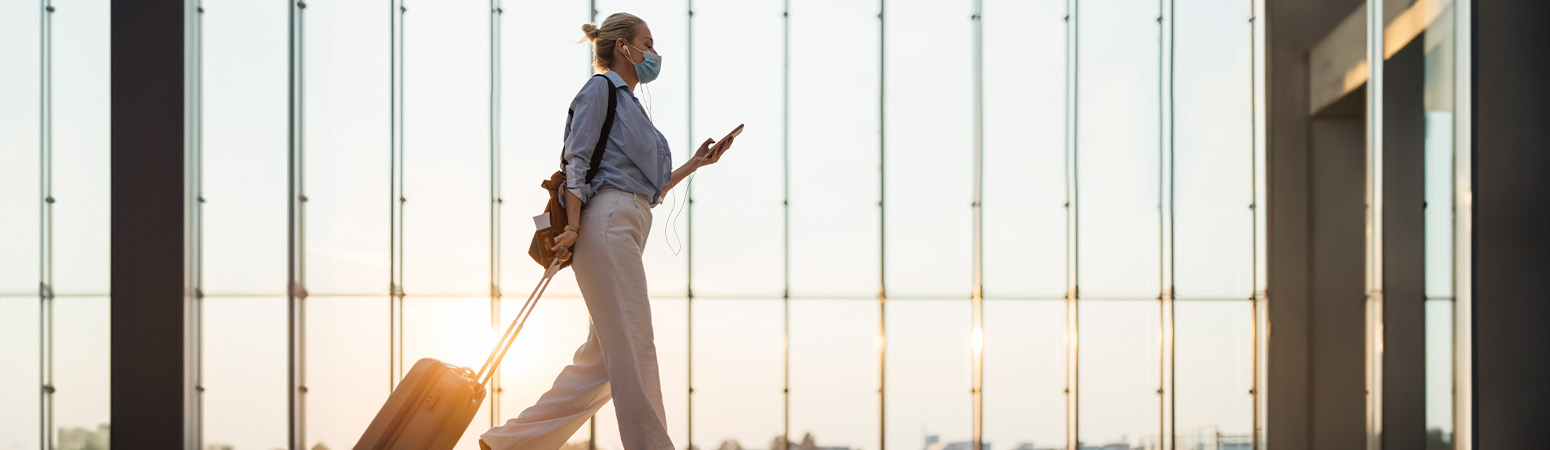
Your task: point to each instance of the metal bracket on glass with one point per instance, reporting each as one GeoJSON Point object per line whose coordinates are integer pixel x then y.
{"type": "Point", "coordinates": [298, 291]}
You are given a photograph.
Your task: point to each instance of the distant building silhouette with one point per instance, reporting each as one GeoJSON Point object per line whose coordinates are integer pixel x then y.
{"type": "Point", "coordinates": [72, 438]}
{"type": "Point", "coordinates": [1436, 439]}
{"type": "Point", "coordinates": [934, 442]}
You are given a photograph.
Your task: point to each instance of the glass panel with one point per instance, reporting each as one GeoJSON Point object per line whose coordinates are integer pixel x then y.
{"type": "Point", "coordinates": [246, 132]}
{"type": "Point", "coordinates": [538, 48]}
{"type": "Point", "coordinates": [81, 158]}
{"type": "Point", "coordinates": [347, 147]}
{"type": "Point", "coordinates": [737, 368]}
{"type": "Point", "coordinates": [1213, 371]}
{"type": "Point", "coordinates": [1024, 185]}
{"type": "Point", "coordinates": [19, 122]}
{"type": "Point", "coordinates": [245, 372]}
{"type": "Point", "coordinates": [834, 373]}
{"type": "Point", "coordinates": [666, 100]}
{"type": "Point", "coordinates": [547, 344]}
{"type": "Point", "coordinates": [930, 149]}
{"type": "Point", "coordinates": [1439, 178]}
{"type": "Point", "coordinates": [1213, 150]}
{"type": "Point", "coordinates": [347, 367]}
{"type": "Point", "coordinates": [447, 149]}
{"type": "Point", "coordinates": [19, 376]}
{"type": "Point", "coordinates": [1439, 204]}
{"type": "Point", "coordinates": [668, 318]}
{"type": "Point", "coordinates": [833, 149]}
{"type": "Point", "coordinates": [738, 228]}
{"type": "Point", "coordinates": [1439, 374]}
{"type": "Point", "coordinates": [1117, 373]}
{"type": "Point", "coordinates": [928, 372]}
{"type": "Point", "coordinates": [452, 330]}
{"type": "Point", "coordinates": [1025, 378]}
{"type": "Point", "coordinates": [1117, 149]}
{"type": "Point", "coordinates": [82, 409]}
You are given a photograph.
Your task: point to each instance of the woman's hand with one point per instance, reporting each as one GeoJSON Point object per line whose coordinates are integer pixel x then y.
{"type": "Point", "coordinates": [564, 241]}
{"type": "Point", "coordinates": [707, 154]}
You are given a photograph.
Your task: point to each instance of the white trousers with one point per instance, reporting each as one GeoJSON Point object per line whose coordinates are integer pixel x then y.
{"type": "Point", "coordinates": [619, 359]}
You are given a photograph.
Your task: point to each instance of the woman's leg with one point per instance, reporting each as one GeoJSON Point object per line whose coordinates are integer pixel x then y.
{"type": "Point", "coordinates": [577, 393]}
{"type": "Point", "coordinates": [613, 282]}
{"type": "Point", "coordinates": [620, 356]}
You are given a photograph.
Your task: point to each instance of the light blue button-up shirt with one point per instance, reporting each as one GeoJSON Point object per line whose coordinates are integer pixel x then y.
{"type": "Point", "coordinates": [636, 158]}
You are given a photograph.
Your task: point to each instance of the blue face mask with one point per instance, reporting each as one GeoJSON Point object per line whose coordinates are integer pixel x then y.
{"type": "Point", "coordinates": [650, 66]}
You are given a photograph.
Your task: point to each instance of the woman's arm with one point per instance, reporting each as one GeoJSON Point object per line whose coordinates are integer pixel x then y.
{"type": "Point", "coordinates": [573, 213]}
{"type": "Point", "coordinates": [702, 157]}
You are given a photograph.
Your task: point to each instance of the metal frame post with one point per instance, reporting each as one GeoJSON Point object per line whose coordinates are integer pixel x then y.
{"type": "Point", "coordinates": [1072, 391]}
{"type": "Point", "coordinates": [882, 225]}
{"type": "Point", "coordinates": [1167, 401]}
{"type": "Point", "coordinates": [785, 164]}
{"type": "Point", "coordinates": [1463, 228]}
{"type": "Point", "coordinates": [1374, 222]}
{"type": "Point", "coordinates": [977, 297]}
{"type": "Point", "coordinates": [296, 291]}
{"type": "Point", "coordinates": [689, 233]}
{"type": "Point", "coordinates": [592, 18]}
{"type": "Point", "coordinates": [194, 223]}
{"type": "Point", "coordinates": [496, 11]}
{"type": "Point", "coordinates": [1260, 313]}
{"type": "Point", "coordinates": [396, 195]}
{"type": "Point", "coordinates": [46, 226]}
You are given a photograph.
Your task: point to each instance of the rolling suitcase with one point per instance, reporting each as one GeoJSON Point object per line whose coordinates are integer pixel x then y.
{"type": "Point", "coordinates": [433, 404]}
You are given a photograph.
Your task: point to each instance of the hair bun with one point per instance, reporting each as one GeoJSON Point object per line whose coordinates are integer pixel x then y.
{"type": "Point", "coordinates": [590, 30]}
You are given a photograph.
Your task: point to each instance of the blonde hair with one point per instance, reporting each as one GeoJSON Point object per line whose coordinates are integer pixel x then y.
{"type": "Point", "coordinates": [617, 26]}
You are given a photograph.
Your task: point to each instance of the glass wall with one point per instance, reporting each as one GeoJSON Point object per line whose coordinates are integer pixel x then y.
{"type": "Point", "coordinates": [908, 167]}
{"type": "Point", "coordinates": [54, 229]}
{"type": "Point", "coordinates": [78, 185]}
{"type": "Point", "coordinates": [19, 225]}
{"type": "Point", "coordinates": [1441, 211]}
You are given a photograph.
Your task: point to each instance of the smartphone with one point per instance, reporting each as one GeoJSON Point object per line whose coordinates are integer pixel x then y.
{"type": "Point", "coordinates": [716, 149]}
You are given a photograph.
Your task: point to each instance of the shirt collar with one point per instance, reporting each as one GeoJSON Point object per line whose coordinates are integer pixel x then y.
{"type": "Point", "coordinates": [613, 77]}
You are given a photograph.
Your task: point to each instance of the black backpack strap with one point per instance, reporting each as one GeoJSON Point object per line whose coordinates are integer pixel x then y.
{"type": "Point", "coordinates": [608, 125]}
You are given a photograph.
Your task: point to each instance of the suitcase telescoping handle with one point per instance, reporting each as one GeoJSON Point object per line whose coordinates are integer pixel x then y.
{"type": "Point", "coordinates": [499, 352]}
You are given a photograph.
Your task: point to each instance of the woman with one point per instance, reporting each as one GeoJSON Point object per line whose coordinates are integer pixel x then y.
{"type": "Point", "coordinates": [619, 360]}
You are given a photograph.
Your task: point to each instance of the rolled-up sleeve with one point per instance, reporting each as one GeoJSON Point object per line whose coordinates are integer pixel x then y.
{"type": "Point", "coordinates": [588, 111]}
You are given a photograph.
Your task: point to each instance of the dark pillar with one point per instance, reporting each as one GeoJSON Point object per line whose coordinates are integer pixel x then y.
{"type": "Point", "coordinates": [1299, 373]}
{"type": "Point", "coordinates": [148, 353]}
{"type": "Point", "coordinates": [1511, 219]}
{"type": "Point", "coordinates": [1336, 406]}
{"type": "Point", "coordinates": [1287, 225]}
{"type": "Point", "coordinates": [1404, 248]}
